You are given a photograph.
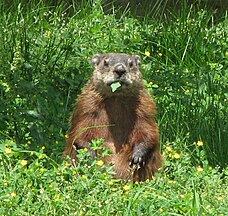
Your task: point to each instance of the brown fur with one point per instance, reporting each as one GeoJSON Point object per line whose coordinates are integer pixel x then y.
{"type": "Point", "coordinates": [131, 132]}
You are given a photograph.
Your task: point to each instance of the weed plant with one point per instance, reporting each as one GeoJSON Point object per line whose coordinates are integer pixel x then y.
{"type": "Point", "coordinates": [32, 183]}
{"type": "Point", "coordinates": [44, 63]}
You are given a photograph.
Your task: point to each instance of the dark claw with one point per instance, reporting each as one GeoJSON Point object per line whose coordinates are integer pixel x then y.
{"type": "Point", "coordinates": [140, 161]}
{"type": "Point", "coordinates": [137, 159]}
{"type": "Point", "coordinates": [139, 156]}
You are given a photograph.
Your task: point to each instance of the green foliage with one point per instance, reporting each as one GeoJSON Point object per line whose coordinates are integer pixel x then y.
{"type": "Point", "coordinates": [44, 63]}
{"type": "Point", "coordinates": [190, 77]}
{"type": "Point", "coordinates": [32, 183]}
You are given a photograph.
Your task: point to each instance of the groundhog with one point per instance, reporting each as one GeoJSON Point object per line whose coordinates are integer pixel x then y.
{"type": "Point", "coordinates": [114, 105]}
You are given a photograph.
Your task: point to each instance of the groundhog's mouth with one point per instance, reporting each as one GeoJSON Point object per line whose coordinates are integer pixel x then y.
{"type": "Point", "coordinates": [117, 85]}
{"type": "Point", "coordinates": [122, 83]}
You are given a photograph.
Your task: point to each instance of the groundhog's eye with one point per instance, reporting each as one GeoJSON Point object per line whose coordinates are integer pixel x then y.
{"type": "Point", "coordinates": [130, 63]}
{"type": "Point", "coordinates": [106, 62]}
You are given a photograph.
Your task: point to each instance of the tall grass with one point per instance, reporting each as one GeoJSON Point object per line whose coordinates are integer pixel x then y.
{"type": "Point", "coordinates": [189, 70]}
{"type": "Point", "coordinates": [44, 63]}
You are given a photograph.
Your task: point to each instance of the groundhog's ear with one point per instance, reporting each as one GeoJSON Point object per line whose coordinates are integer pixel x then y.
{"type": "Point", "coordinates": [96, 59]}
{"type": "Point", "coordinates": [137, 60]}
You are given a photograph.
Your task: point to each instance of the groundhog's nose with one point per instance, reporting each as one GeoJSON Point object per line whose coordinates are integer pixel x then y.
{"type": "Point", "coordinates": [119, 70]}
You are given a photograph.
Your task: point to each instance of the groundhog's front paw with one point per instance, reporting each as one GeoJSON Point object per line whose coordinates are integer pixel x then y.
{"type": "Point", "coordinates": [139, 156]}
{"type": "Point", "coordinates": [93, 153]}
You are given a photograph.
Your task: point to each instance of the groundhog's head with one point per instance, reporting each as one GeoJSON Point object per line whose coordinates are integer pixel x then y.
{"type": "Point", "coordinates": [116, 68]}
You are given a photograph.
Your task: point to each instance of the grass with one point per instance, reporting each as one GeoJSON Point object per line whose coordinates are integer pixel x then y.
{"type": "Point", "coordinates": [39, 185]}
{"type": "Point", "coordinates": [45, 63]}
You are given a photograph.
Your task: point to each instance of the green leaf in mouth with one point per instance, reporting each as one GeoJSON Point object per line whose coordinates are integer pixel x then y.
{"type": "Point", "coordinates": [115, 86]}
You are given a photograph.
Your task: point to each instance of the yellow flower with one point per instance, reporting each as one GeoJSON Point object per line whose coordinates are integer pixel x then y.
{"type": "Point", "coordinates": [42, 169]}
{"type": "Point", "coordinates": [29, 142]}
{"type": "Point", "coordinates": [199, 169]}
{"type": "Point", "coordinates": [85, 150]}
{"type": "Point", "coordinates": [168, 148]}
{"type": "Point", "coordinates": [58, 198]}
{"type": "Point", "coordinates": [48, 34]}
{"type": "Point", "coordinates": [170, 181]}
{"type": "Point", "coordinates": [160, 54]}
{"type": "Point", "coordinates": [176, 156]}
{"type": "Point", "coordinates": [12, 142]}
{"type": "Point", "coordinates": [111, 183]}
{"type": "Point", "coordinates": [24, 162]}
{"type": "Point", "coordinates": [67, 164]}
{"type": "Point", "coordinates": [127, 187]}
{"type": "Point", "coordinates": [199, 143]}
{"type": "Point", "coordinates": [219, 198]}
{"type": "Point", "coordinates": [161, 210]}
{"type": "Point", "coordinates": [100, 163]}
{"type": "Point", "coordinates": [84, 176]}
{"type": "Point", "coordinates": [147, 53]}
{"type": "Point", "coordinates": [182, 196]}
{"type": "Point", "coordinates": [81, 213]}
{"type": "Point", "coordinates": [208, 207]}
{"type": "Point", "coordinates": [43, 147]}
{"type": "Point", "coordinates": [8, 150]}
{"type": "Point", "coordinates": [66, 136]}
{"type": "Point", "coordinates": [13, 194]}
{"type": "Point", "coordinates": [41, 156]}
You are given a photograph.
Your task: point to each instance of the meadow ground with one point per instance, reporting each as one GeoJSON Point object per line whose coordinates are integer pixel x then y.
{"type": "Point", "coordinates": [44, 62]}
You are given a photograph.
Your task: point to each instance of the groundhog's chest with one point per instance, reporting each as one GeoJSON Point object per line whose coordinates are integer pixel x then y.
{"type": "Point", "coordinates": [120, 114]}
